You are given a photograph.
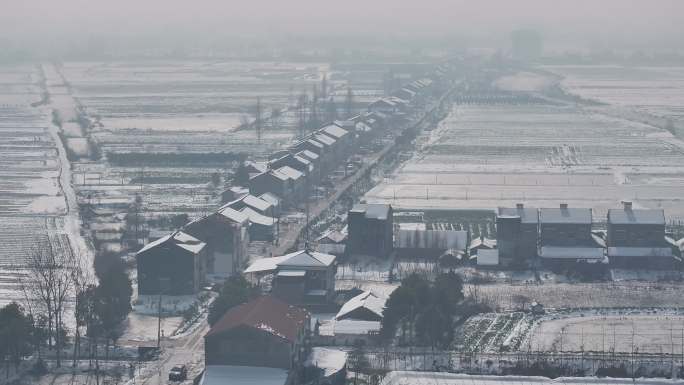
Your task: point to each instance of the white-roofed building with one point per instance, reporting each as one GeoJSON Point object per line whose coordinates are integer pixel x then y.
{"type": "Point", "coordinates": [304, 277]}
{"type": "Point", "coordinates": [171, 265]}
{"type": "Point", "coordinates": [366, 306]}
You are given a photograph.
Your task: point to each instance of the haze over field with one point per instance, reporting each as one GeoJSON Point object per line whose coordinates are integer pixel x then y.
{"type": "Point", "coordinates": [615, 24]}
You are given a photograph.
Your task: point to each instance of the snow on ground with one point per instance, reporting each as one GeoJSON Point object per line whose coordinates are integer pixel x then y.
{"type": "Point", "coordinates": [329, 359]}
{"type": "Point", "coordinates": [436, 378]}
{"type": "Point", "coordinates": [143, 328]}
{"type": "Point", "coordinates": [498, 155]}
{"type": "Point", "coordinates": [627, 331]}
{"type": "Point", "coordinates": [524, 81]}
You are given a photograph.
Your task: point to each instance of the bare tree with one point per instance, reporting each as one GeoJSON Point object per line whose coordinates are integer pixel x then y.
{"type": "Point", "coordinates": [47, 288]}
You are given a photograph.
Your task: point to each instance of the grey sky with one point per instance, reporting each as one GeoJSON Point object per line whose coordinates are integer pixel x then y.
{"type": "Point", "coordinates": [642, 21]}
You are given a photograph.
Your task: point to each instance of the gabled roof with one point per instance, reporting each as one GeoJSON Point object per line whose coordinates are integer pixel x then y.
{"type": "Point", "coordinates": [334, 131]}
{"type": "Point", "coordinates": [527, 215]}
{"type": "Point", "coordinates": [232, 214]}
{"type": "Point", "coordinates": [307, 258]}
{"type": "Point", "coordinates": [264, 313]}
{"type": "Point", "coordinates": [300, 259]}
{"type": "Point", "coordinates": [565, 215]}
{"type": "Point", "coordinates": [367, 300]}
{"type": "Point", "coordinates": [334, 236]}
{"type": "Point", "coordinates": [270, 198]}
{"type": "Point", "coordinates": [290, 172]}
{"type": "Point", "coordinates": [372, 210]}
{"type": "Point", "coordinates": [636, 216]}
{"type": "Point", "coordinates": [177, 239]}
{"type": "Point", "coordinates": [250, 201]}
{"type": "Point", "coordinates": [325, 139]}
{"type": "Point", "coordinates": [312, 156]}
{"type": "Point", "coordinates": [258, 218]}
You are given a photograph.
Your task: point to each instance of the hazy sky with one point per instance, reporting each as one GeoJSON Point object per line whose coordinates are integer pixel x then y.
{"type": "Point", "coordinates": [586, 21]}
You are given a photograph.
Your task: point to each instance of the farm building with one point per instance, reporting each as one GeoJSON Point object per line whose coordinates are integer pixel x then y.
{"type": "Point", "coordinates": [304, 277]}
{"type": "Point", "coordinates": [366, 306]}
{"type": "Point", "coordinates": [264, 332]}
{"type": "Point", "coordinates": [171, 265]}
{"type": "Point", "coordinates": [225, 233]}
{"type": "Point", "coordinates": [636, 238]}
{"type": "Point", "coordinates": [516, 234]}
{"type": "Point", "coordinates": [566, 238]}
{"type": "Point", "coordinates": [332, 242]}
{"type": "Point", "coordinates": [259, 205]}
{"type": "Point", "coordinates": [370, 230]}
{"type": "Point", "coordinates": [481, 243]}
{"type": "Point", "coordinates": [429, 239]}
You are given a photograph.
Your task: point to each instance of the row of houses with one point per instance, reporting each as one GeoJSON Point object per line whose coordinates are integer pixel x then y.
{"type": "Point", "coordinates": [252, 213]}
{"type": "Point", "coordinates": [561, 236]}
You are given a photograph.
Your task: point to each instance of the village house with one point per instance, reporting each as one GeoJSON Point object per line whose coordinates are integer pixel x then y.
{"type": "Point", "coordinates": [636, 238]}
{"type": "Point", "coordinates": [371, 228]}
{"type": "Point", "coordinates": [171, 265]}
{"type": "Point", "coordinates": [259, 205]}
{"type": "Point", "coordinates": [517, 234]}
{"type": "Point", "coordinates": [264, 332]}
{"type": "Point", "coordinates": [285, 182]}
{"type": "Point", "coordinates": [566, 238]}
{"type": "Point", "coordinates": [358, 321]}
{"type": "Point", "coordinates": [225, 233]}
{"type": "Point", "coordinates": [304, 277]}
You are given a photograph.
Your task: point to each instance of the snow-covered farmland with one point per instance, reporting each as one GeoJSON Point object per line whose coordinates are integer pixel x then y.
{"type": "Point", "coordinates": [484, 156]}
{"type": "Point", "coordinates": [657, 90]}
{"type": "Point", "coordinates": [622, 333]}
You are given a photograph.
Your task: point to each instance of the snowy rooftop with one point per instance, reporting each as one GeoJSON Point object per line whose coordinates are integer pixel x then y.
{"type": "Point", "coordinates": [325, 139]}
{"type": "Point", "coordinates": [527, 215]}
{"type": "Point", "coordinates": [302, 258]}
{"type": "Point", "coordinates": [367, 300]}
{"type": "Point", "coordinates": [243, 375]}
{"type": "Point", "coordinates": [290, 172]}
{"type": "Point", "coordinates": [330, 360]}
{"type": "Point", "coordinates": [233, 214]}
{"type": "Point", "coordinates": [271, 198]}
{"type": "Point", "coordinates": [437, 378]}
{"type": "Point", "coordinates": [308, 154]}
{"type": "Point", "coordinates": [372, 211]}
{"type": "Point", "coordinates": [334, 131]}
{"type": "Point", "coordinates": [634, 216]}
{"type": "Point", "coordinates": [257, 218]}
{"type": "Point", "coordinates": [178, 239]}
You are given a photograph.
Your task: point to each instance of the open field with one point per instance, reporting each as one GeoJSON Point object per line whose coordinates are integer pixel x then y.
{"type": "Point", "coordinates": [657, 90]}
{"type": "Point", "coordinates": [643, 333]}
{"type": "Point", "coordinates": [33, 206]}
{"type": "Point", "coordinates": [484, 156]}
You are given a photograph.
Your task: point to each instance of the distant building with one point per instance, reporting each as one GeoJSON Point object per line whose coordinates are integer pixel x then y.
{"type": "Point", "coordinates": [259, 205]}
{"type": "Point", "coordinates": [565, 236]}
{"type": "Point", "coordinates": [304, 277]}
{"type": "Point", "coordinates": [481, 243]}
{"type": "Point", "coordinates": [264, 332]}
{"type": "Point", "coordinates": [226, 235]}
{"type": "Point", "coordinates": [516, 234]}
{"type": "Point", "coordinates": [171, 265]}
{"type": "Point", "coordinates": [370, 230]}
{"type": "Point", "coordinates": [488, 258]}
{"type": "Point", "coordinates": [332, 242]}
{"type": "Point", "coordinates": [636, 238]}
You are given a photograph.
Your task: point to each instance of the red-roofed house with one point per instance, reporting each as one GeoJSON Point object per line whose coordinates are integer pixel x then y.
{"type": "Point", "coordinates": [264, 332]}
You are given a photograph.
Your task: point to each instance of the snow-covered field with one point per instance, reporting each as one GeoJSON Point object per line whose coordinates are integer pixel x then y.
{"type": "Point", "coordinates": [32, 203]}
{"type": "Point", "coordinates": [484, 156]}
{"type": "Point", "coordinates": [639, 332]}
{"type": "Point", "coordinates": [657, 90]}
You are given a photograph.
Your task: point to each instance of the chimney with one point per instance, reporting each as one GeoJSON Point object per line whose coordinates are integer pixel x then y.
{"type": "Point", "coordinates": [564, 206]}
{"type": "Point", "coordinates": [627, 205]}
{"type": "Point", "coordinates": [519, 206]}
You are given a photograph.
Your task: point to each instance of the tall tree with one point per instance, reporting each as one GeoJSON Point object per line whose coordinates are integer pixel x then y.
{"type": "Point", "coordinates": [235, 290]}
{"type": "Point", "coordinates": [16, 329]}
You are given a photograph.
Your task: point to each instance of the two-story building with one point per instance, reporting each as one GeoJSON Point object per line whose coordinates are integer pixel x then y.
{"type": "Point", "coordinates": [516, 235]}
{"type": "Point", "coordinates": [565, 236]}
{"type": "Point", "coordinates": [371, 230]}
{"type": "Point", "coordinates": [636, 238]}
